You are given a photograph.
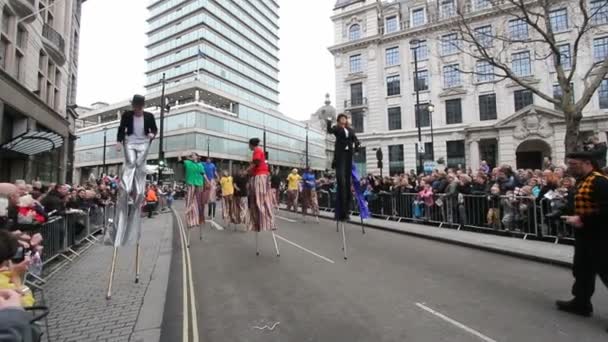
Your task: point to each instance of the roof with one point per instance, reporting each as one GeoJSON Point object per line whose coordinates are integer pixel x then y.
{"type": "Point", "coordinates": [345, 3]}
{"type": "Point", "coordinates": [33, 142]}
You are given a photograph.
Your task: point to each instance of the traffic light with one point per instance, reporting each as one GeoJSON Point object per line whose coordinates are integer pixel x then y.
{"type": "Point", "coordinates": [380, 165]}
{"type": "Point", "coordinates": [379, 155]}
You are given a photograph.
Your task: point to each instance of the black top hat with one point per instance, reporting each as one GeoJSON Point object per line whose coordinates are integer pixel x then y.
{"type": "Point", "coordinates": [138, 100]}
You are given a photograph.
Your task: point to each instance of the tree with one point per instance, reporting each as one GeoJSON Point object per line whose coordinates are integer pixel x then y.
{"type": "Point", "coordinates": [537, 23]}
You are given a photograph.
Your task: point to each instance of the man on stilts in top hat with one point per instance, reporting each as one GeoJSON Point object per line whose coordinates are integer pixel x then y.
{"type": "Point", "coordinates": [135, 134]}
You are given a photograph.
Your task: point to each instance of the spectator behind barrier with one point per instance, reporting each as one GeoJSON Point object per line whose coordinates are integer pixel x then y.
{"type": "Point", "coordinates": [14, 262]}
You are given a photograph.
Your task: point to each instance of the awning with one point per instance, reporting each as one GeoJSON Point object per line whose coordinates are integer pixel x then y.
{"type": "Point", "coordinates": [153, 169]}
{"type": "Point", "coordinates": [32, 142]}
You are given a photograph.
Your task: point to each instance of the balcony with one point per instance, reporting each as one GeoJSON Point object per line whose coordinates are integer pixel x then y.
{"type": "Point", "coordinates": [54, 44]}
{"type": "Point", "coordinates": [355, 103]}
{"type": "Point", "coordinates": [24, 9]}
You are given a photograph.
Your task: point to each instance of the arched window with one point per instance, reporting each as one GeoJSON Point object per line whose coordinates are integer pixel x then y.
{"type": "Point", "coordinates": [354, 32]}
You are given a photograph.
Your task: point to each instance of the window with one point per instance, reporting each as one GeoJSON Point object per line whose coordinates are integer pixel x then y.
{"type": "Point", "coordinates": [394, 118]}
{"type": "Point", "coordinates": [360, 160]}
{"type": "Point", "coordinates": [355, 64]}
{"type": "Point", "coordinates": [447, 8]}
{"type": "Point", "coordinates": [392, 25]}
{"type": "Point", "coordinates": [422, 51]}
{"type": "Point", "coordinates": [518, 29]}
{"type": "Point", "coordinates": [451, 76]}
{"type": "Point", "coordinates": [6, 21]}
{"type": "Point", "coordinates": [395, 159]}
{"type": "Point", "coordinates": [484, 71]}
{"type": "Point", "coordinates": [487, 107]}
{"type": "Point", "coordinates": [392, 56]}
{"type": "Point", "coordinates": [565, 59]}
{"type": "Point", "coordinates": [354, 32]}
{"type": "Point", "coordinates": [393, 85]}
{"type": "Point", "coordinates": [481, 4]}
{"type": "Point", "coordinates": [356, 117]}
{"type": "Point", "coordinates": [559, 20]}
{"type": "Point", "coordinates": [455, 153]}
{"type": "Point", "coordinates": [18, 65]}
{"type": "Point", "coordinates": [418, 17]}
{"type": "Point", "coordinates": [483, 35]}
{"type": "Point", "coordinates": [21, 37]}
{"type": "Point", "coordinates": [557, 94]}
{"type": "Point", "coordinates": [449, 44]}
{"type": "Point", "coordinates": [600, 49]}
{"type": "Point", "coordinates": [598, 10]}
{"type": "Point", "coordinates": [453, 111]}
{"type": "Point", "coordinates": [422, 83]}
{"type": "Point", "coordinates": [424, 116]}
{"type": "Point", "coordinates": [3, 52]}
{"type": "Point", "coordinates": [523, 98]}
{"type": "Point", "coordinates": [603, 94]}
{"type": "Point", "coordinates": [428, 151]}
{"type": "Point", "coordinates": [41, 62]}
{"type": "Point", "coordinates": [356, 94]}
{"type": "Point", "coordinates": [521, 63]}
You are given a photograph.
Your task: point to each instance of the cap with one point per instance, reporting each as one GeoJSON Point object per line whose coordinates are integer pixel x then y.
{"type": "Point", "coordinates": [581, 155]}
{"type": "Point", "coordinates": [138, 100]}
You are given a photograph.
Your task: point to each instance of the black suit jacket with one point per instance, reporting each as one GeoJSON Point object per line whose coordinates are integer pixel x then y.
{"type": "Point", "coordinates": [343, 144]}
{"type": "Point", "coordinates": [126, 125]}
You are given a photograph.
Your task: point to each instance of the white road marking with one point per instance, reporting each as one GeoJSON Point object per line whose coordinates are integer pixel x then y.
{"type": "Point", "coordinates": [286, 219]}
{"type": "Point", "coordinates": [455, 323]}
{"type": "Point", "coordinates": [304, 249]}
{"type": "Point", "coordinates": [271, 328]}
{"type": "Point", "coordinates": [216, 225]}
{"type": "Point", "coordinates": [185, 330]}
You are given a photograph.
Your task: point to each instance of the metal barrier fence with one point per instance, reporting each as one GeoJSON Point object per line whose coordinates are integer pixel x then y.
{"type": "Point", "coordinates": [514, 215]}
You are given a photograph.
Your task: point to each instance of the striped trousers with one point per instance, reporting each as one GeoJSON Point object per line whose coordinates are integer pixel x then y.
{"type": "Point", "coordinates": [194, 213]}
{"type": "Point", "coordinates": [261, 217]}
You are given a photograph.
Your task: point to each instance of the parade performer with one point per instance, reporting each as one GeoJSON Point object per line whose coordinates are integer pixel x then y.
{"type": "Point", "coordinates": [195, 181]}
{"type": "Point", "coordinates": [293, 190]}
{"type": "Point", "coordinates": [210, 190]}
{"type": "Point", "coordinates": [344, 147]}
{"type": "Point", "coordinates": [135, 133]}
{"type": "Point", "coordinates": [227, 185]}
{"type": "Point", "coordinates": [260, 198]}
{"type": "Point", "coordinates": [309, 194]}
{"type": "Point", "coordinates": [239, 212]}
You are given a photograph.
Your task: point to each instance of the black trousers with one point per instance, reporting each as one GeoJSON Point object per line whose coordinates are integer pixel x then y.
{"type": "Point", "coordinates": [344, 195]}
{"type": "Point", "coordinates": [590, 260]}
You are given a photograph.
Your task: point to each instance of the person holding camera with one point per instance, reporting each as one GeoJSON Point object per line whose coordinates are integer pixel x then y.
{"type": "Point", "coordinates": [598, 149]}
{"type": "Point", "coordinates": [14, 263]}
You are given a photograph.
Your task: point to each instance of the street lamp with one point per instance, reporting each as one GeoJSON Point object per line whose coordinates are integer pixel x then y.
{"type": "Point", "coordinates": [105, 140]}
{"type": "Point", "coordinates": [307, 164]}
{"type": "Point", "coordinates": [431, 108]}
{"type": "Point", "coordinates": [414, 45]}
{"type": "Point", "coordinates": [161, 152]}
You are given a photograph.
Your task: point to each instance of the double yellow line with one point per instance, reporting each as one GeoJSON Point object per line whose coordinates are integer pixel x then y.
{"type": "Point", "coordinates": [189, 301]}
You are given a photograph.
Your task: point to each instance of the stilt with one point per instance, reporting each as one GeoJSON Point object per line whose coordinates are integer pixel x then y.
{"type": "Point", "coordinates": [276, 245]}
{"type": "Point", "coordinates": [362, 226]}
{"type": "Point", "coordinates": [344, 240]}
{"type": "Point", "coordinates": [189, 233]}
{"type": "Point", "coordinates": [137, 263]}
{"type": "Point", "coordinates": [257, 248]}
{"type": "Point", "coordinates": [338, 226]}
{"type": "Point", "coordinates": [109, 294]}
{"type": "Point", "coordinates": [200, 230]}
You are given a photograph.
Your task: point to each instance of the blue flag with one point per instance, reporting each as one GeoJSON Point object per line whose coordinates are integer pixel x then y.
{"type": "Point", "coordinates": [361, 202]}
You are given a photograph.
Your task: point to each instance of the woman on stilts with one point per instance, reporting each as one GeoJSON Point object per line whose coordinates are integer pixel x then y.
{"type": "Point", "coordinates": [227, 185]}
{"type": "Point", "coordinates": [260, 197]}
{"type": "Point", "coordinates": [195, 180]}
{"type": "Point", "coordinates": [240, 215]}
{"type": "Point", "coordinates": [309, 194]}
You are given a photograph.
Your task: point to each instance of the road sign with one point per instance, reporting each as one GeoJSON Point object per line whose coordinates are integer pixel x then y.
{"type": "Point", "coordinates": [420, 147]}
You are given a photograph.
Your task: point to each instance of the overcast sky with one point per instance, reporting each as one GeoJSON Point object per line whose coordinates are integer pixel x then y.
{"type": "Point", "coordinates": [111, 63]}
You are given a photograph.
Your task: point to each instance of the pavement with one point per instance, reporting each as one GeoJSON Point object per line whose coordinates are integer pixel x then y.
{"type": "Point", "coordinates": [393, 287]}
{"type": "Point", "coordinates": [76, 295]}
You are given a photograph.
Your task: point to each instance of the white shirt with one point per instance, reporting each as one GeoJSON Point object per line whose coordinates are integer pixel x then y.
{"type": "Point", "coordinates": [139, 134]}
{"type": "Point", "coordinates": [346, 133]}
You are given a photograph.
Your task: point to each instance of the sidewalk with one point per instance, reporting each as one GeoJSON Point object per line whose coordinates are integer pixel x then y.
{"type": "Point", "coordinates": [76, 294]}
{"type": "Point", "coordinates": [546, 252]}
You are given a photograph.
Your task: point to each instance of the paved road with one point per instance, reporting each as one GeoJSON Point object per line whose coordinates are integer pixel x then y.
{"type": "Point", "coordinates": [392, 288]}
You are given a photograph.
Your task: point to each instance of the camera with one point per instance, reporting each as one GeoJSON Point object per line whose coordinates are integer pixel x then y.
{"type": "Point", "coordinates": [19, 256]}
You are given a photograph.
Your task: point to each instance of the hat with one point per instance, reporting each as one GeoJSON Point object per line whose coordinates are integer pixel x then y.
{"type": "Point", "coordinates": [581, 155]}
{"type": "Point", "coordinates": [138, 100]}
{"type": "Point", "coordinates": [294, 170]}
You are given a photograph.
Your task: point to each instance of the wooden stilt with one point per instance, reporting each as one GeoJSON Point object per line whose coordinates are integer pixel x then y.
{"type": "Point", "coordinates": [257, 248]}
{"type": "Point", "coordinates": [276, 245]}
{"type": "Point", "coordinates": [362, 226]}
{"type": "Point", "coordinates": [109, 293]}
{"type": "Point", "coordinates": [137, 264]}
{"type": "Point", "coordinates": [344, 239]}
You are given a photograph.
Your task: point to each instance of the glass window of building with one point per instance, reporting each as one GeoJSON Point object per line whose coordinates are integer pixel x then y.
{"type": "Point", "coordinates": [354, 32]}
{"type": "Point", "coordinates": [483, 36]}
{"type": "Point", "coordinates": [453, 111]}
{"type": "Point", "coordinates": [355, 64]}
{"type": "Point", "coordinates": [6, 21]}
{"type": "Point", "coordinates": [392, 56]}
{"type": "Point", "coordinates": [484, 71]}
{"type": "Point", "coordinates": [520, 63]}
{"type": "Point", "coordinates": [557, 94]}
{"type": "Point", "coordinates": [422, 82]}
{"type": "Point", "coordinates": [392, 24]}
{"type": "Point", "coordinates": [449, 44]}
{"type": "Point", "coordinates": [481, 4]}
{"type": "Point", "coordinates": [418, 17]}
{"type": "Point", "coordinates": [356, 117]}
{"type": "Point", "coordinates": [428, 151]}
{"type": "Point", "coordinates": [600, 49]}
{"type": "Point", "coordinates": [360, 160]}
{"type": "Point", "coordinates": [603, 94]}
{"type": "Point", "coordinates": [487, 107]}
{"type": "Point", "coordinates": [598, 10]}
{"type": "Point", "coordinates": [395, 160]}
{"type": "Point", "coordinates": [422, 51]}
{"type": "Point", "coordinates": [455, 153]}
{"type": "Point", "coordinates": [422, 113]}
{"type": "Point", "coordinates": [4, 44]}
{"type": "Point", "coordinates": [394, 118]}
{"type": "Point", "coordinates": [356, 94]}
{"type": "Point", "coordinates": [559, 19]}
{"type": "Point", "coordinates": [518, 29]}
{"type": "Point", "coordinates": [447, 8]}
{"type": "Point", "coordinates": [522, 98]}
{"type": "Point", "coordinates": [393, 85]}
{"type": "Point", "coordinates": [565, 58]}
{"type": "Point", "coordinates": [451, 76]}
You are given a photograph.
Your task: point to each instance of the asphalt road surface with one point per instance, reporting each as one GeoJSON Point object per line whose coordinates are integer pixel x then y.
{"type": "Point", "coordinates": [392, 288]}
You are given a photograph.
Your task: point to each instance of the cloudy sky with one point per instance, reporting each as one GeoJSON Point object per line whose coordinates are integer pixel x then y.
{"type": "Point", "coordinates": [112, 53]}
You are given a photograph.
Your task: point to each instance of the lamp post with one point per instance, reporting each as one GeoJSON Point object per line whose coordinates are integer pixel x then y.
{"type": "Point", "coordinates": [414, 45]}
{"type": "Point", "coordinates": [307, 159]}
{"type": "Point", "coordinates": [105, 140]}
{"type": "Point", "coordinates": [161, 152]}
{"type": "Point", "coordinates": [431, 108]}
{"type": "Point", "coordinates": [208, 148]}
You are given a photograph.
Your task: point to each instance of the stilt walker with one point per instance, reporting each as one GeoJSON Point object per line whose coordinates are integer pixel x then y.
{"type": "Point", "coordinates": [260, 196]}
{"type": "Point", "coordinates": [345, 145]}
{"type": "Point", "coordinates": [195, 180]}
{"type": "Point", "coordinates": [135, 134]}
